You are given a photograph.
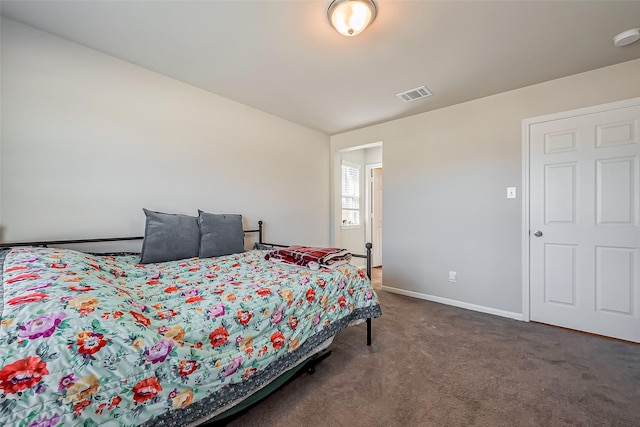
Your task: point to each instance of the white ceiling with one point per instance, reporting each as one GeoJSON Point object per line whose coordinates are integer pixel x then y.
{"type": "Point", "coordinates": [284, 58]}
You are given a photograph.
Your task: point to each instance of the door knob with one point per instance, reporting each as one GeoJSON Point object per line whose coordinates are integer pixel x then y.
{"type": "Point", "coordinates": [538, 233]}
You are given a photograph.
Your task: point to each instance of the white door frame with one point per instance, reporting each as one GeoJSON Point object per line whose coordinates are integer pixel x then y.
{"type": "Point", "coordinates": [367, 197]}
{"type": "Point", "coordinates": [526, 125]}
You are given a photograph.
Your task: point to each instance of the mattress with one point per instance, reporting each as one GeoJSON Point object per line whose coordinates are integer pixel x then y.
{"type": "Point", "coordinates": [103, 340]}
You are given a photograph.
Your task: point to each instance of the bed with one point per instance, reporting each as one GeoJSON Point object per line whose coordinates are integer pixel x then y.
{"type": "Point", "coordinates": [90, 339]}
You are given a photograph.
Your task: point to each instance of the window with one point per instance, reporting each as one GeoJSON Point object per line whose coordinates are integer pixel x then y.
{"type": "Point", "coordinates": [350, 195]}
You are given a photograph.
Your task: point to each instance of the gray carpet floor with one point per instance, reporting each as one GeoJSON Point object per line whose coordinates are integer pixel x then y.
{"type": "Point", "coordinates": [436, 365]}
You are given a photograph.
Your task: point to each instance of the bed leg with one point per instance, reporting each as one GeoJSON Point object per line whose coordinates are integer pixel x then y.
{"type": "Point", "coordinates": [368, 257]}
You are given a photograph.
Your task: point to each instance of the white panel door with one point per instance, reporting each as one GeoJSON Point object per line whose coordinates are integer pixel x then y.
{"type": "Point", "coordinates": [585, 222]}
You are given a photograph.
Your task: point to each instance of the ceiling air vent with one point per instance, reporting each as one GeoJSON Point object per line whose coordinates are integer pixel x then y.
{"type": "Point", "coordinates": [414, 94]}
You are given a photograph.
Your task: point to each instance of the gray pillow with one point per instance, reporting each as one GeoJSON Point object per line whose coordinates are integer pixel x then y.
{"type": "Point", "coordinates": [169, 237]}
{"type": "Point", "coordinates": [220, 234]}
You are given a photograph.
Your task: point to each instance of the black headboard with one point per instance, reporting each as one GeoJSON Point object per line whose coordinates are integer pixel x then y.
{"type": "Point", "coordinates": [103, 239]}
{"type": "Point", "coordinates": [45, 243]}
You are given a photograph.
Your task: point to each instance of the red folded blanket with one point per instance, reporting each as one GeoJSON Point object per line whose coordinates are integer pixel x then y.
{"type": "Point", "coordinates": [313, 258]}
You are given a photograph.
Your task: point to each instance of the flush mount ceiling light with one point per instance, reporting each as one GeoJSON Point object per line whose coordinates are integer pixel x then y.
{"type": "Point", "coordinates": [350, 17]}
{"type": "Point", "coordinates": [627, 37]}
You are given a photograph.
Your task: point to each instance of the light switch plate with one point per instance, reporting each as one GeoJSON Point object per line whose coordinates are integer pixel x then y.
{"type": "Point", "coordinates": [511, 192]}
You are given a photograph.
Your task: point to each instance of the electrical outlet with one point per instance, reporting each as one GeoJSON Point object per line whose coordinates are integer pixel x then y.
{"type": "Point", "coordinates": [452, 276]}
{"type": "Point", "coordinates": [511, 192]}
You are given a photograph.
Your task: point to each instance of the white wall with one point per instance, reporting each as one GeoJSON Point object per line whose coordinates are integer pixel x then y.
{"type": "Point", "coordinates": [89, 140]}
{"type": "Point", "coordinates": [445, 179]}
{"type": "Point", "coordinates": [373, 155]}
{"type": "Point", "coordinates": [1, 222]}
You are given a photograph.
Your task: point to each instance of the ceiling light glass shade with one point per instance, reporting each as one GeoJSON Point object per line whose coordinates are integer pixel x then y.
{"type": "Point", "coordinates": [627, 37]}
{"type": "Point", "coordinates": [350, 17]}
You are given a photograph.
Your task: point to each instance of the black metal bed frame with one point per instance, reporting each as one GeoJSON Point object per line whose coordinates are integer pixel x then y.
{"type": "Point", "coordinates": [366, 256]}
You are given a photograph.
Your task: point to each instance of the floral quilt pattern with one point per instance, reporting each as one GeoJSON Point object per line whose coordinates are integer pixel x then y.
{"type": "Point", "coordinates": [102, 340]}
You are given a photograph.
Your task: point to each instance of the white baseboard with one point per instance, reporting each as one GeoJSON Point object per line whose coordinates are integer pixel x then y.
{"type": "Point", "coordinates": [455, 303]}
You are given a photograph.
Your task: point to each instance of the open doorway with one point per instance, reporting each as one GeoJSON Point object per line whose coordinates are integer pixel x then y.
{"type": "Point", "coordinates": [358, 202]}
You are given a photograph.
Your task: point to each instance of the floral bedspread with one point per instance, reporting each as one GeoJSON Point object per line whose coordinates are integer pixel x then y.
{"type": "Point", "coordinates": [102, 340]}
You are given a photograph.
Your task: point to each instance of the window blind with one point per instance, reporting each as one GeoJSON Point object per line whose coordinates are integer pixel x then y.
{"type": "Point", "coordinates": [350, 194]}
